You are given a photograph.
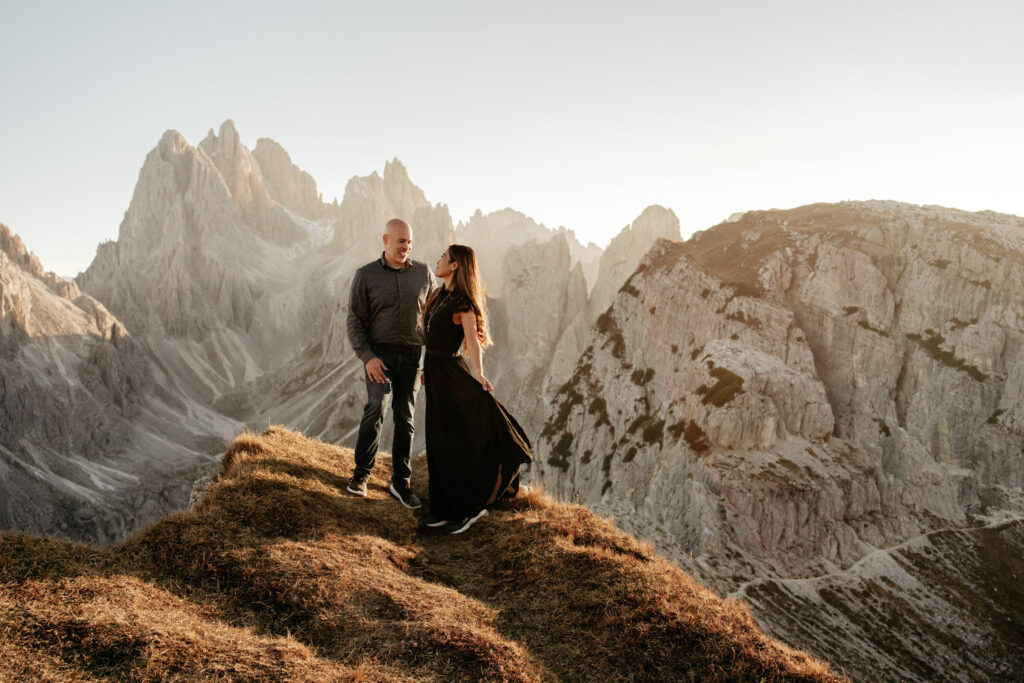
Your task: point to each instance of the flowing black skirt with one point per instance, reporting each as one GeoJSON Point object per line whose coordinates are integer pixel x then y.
{"type": "Point", "coordinates": [474, 445]}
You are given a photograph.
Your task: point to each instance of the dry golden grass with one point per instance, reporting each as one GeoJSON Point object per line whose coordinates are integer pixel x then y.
{"type": "Point", "coordinates": [281, 575]}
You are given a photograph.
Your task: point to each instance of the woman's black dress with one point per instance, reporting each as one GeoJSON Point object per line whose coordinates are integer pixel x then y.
{"type": "Point", "coordinates": [474, 445]}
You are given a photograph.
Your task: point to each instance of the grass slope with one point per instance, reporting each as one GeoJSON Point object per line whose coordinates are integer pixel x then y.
{"type": "Point", "coordinates": [279, 574]}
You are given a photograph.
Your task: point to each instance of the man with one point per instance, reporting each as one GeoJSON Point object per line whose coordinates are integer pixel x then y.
{"type": "Point", "coordinates": [385, 331]}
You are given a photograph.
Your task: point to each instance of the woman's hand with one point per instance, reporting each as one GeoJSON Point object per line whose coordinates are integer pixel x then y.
{"type": "Point", "coordinates": [484, 382]}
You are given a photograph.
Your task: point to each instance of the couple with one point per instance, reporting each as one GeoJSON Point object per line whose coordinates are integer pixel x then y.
{"type": "Point", "coordinates": [474, 445]}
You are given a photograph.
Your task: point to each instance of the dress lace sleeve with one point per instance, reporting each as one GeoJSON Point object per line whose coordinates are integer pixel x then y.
{"type": "Point", "coordinates": [461, 303]}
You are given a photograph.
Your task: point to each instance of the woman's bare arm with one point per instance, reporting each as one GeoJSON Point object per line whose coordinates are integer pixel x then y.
{"type": "Point", "coordinates": [473, 350]}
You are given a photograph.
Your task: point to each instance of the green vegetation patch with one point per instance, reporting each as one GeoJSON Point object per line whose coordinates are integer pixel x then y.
{"type": "Point", "coordinates": [628, 287]}
{"type": "Point", "coordinates": [606, 464]}
{"type": "Point", "coordinates": [729, 384]}
{"type": "Point", "coordinates": [599, 407]}
{"type": "Point", "coordinates": [561, 452]}
{"type": "Point", "coordinates": [642, 377]}
{"type": "Point", "coordinates": [694, 435]}
{"type": "Point", "coordinates": [739, 316]}
{"type": "Point", "coordinates": [568, 397]}
{"type": "Point", "coordinates": [654, 432]}
{"type": "Point", "coordinates": [607, 326]}
{"type": "Point", "coordinates": [958, 324]}
{"type": "Point", "coordinates": [933, 345]}
{"type": "Point", "coordinates": [868, 326]}
{"type": "Point", "coordinates": [987, 284]}
{"type": "Point", "coordinates": [738, 289]}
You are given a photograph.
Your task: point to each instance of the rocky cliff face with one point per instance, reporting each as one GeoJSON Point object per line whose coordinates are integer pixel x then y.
{"type": "Point", "coordinates": [80, 399]}
{"type": "Point", "coordinates": [493, 235]}
{"type": "Point", "coordinates": [287, 183]}
{"type": "Point", "coordinates": [546, 307]}
{"type": "Point", "coordinates": [782, 395]}
{"type": "Point", "coordinates": [625, 251]}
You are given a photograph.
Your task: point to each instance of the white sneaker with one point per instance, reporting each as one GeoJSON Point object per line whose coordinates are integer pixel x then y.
{"type": "Point", "coordinates": [431, 522]}
{"type": "Point", "coordinates": [459, 527]}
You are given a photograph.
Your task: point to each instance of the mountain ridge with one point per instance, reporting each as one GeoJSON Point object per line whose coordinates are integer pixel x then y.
{"type": "Point", "coordinates": [796, 389]}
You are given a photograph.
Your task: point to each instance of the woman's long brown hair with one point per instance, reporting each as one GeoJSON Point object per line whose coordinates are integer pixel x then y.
{"type": "Point", "coordinates": [467, 281]}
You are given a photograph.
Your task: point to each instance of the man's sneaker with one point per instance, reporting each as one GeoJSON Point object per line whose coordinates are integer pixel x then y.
{"type": "Point", "coordinates": [460, 526]}
{"type": "Point", "coordinates": [405, 496]}
{"type": "Point", "coordinates": [433, 522]}
{"type": "Point", "coordinates": [357, 485]}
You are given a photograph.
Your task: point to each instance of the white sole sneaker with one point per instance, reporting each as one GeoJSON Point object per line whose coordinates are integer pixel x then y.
{"type": "Point", "coordinates": [469, 522]}
{"type": "Point", "coordinates": [356, 492]}
{"type": "Point", "coordinates": [440, 522]}
{"type": "Point", "coordinates": [394, 492]}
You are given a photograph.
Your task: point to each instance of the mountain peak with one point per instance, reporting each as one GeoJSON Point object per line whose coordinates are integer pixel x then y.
{"type": "Point", "coordinates": [11, 244]}
{"type": "Point", "coordinates": [171, 142]}
{"type": "Point", "coordinates": [226, 141]}
{"type": "Point", "coordinates": [289, 184]}
{"type": "Point", "coordinates": [395, 172]}
{"type": "Point", "coordinates": [657, 218]}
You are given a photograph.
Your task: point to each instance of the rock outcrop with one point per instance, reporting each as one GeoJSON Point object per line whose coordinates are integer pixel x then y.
{"type": "Point", "coordinates": [785, 394]}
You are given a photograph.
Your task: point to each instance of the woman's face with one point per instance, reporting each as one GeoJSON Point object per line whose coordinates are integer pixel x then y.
{"type": "Point", "coordinates": [445, 266]}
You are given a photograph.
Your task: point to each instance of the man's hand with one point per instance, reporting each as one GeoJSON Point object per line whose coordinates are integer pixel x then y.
{"type": "Point", "coordinates": [375, 370]}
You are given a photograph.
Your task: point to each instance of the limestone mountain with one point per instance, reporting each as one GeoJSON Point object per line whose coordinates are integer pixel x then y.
{"type": "Point", "coordinates": [230, 278]}
{"type": "Point", "coordinates": [624, 252]}
{"type": "Point", "coordinates": [228, 288]}
{"type": "Point", "coordinates": [494, 234]}
{"type": "Point", "coordinates": [546, 307]}
{"type": "Point", "coordinates": [787, 394]}
{"type": "Point", "coordinates": [95, 442]}
{"type": "Point", "coordinates": [617, 263]}
{"type": "Point", "coordinates": [236, 274]}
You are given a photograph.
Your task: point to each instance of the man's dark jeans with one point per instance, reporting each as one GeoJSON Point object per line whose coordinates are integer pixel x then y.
{"type": "Point", "coordinates": [400, 390]}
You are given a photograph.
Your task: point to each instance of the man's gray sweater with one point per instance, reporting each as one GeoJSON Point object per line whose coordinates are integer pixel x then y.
{"type": "Point", "coordinates": [384, 305]}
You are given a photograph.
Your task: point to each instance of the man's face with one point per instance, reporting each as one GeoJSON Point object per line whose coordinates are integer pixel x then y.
{"type": "Point", "coordinates": [397, 243]}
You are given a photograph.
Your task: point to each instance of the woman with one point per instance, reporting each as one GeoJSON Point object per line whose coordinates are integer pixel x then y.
{"type": "Point", "coordinates": [474, 445]}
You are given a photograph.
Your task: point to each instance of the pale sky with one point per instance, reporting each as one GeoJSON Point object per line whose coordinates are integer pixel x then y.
{"type": "Point", "coordinates": [576, 113]}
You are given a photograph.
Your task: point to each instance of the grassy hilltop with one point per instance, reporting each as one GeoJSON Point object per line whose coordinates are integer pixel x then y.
{"type": "Point", "coordinates": [280, 574]}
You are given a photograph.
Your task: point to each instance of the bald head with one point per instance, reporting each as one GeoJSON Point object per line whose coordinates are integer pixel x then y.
{"type": "Point", "coordinates": [397, 242]}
